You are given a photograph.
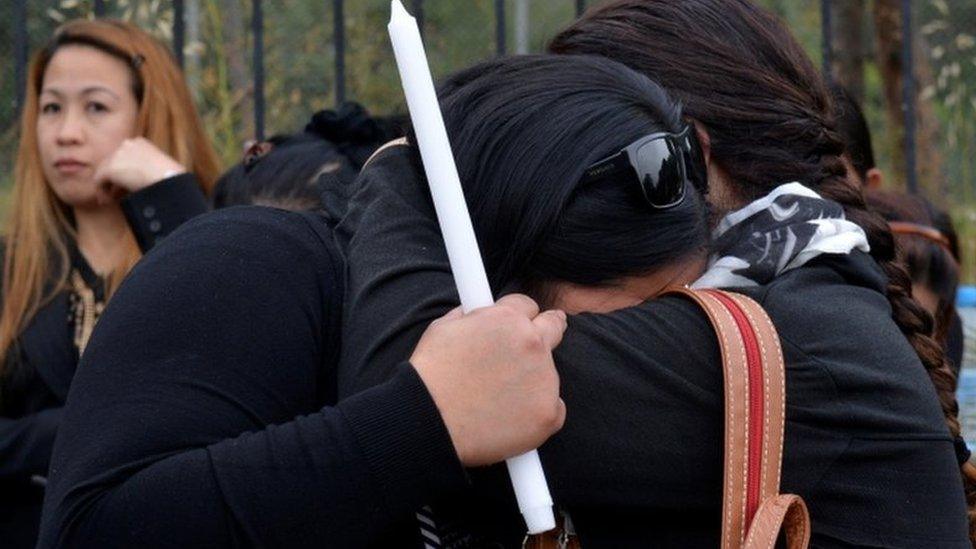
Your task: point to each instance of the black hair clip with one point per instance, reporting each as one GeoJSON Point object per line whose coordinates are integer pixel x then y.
{"type": "Point", "coordinates": [137, 61]}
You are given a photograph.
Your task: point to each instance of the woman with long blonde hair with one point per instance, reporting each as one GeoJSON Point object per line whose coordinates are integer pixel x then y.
{"type": "Point", "coordinates": [112, 157]}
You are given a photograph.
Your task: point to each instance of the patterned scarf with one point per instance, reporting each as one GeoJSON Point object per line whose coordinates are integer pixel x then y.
{"type": "Point", "coordinates": [777, 233]}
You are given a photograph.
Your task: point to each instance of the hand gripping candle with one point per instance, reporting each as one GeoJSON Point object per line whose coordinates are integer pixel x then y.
{"type": "Point", "coordinates": [528, 479]}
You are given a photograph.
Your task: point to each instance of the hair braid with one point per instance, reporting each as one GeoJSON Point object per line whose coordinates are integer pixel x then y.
{"type": "Point", "coordinates": [911, 318]}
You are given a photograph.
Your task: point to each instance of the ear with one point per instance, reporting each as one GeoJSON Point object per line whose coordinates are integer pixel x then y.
{"type": "Point", "coordinates": [874, 179]}
{"type": "Point", "coordinates": [704, 140]}
{"type": "Point", "coordinates": [256, 151]}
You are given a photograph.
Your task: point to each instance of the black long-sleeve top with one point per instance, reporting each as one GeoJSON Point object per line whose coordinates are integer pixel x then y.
{"type": "Point", "coordinates": [40, 365]}
{"type": "Point", "coordinates": [639, 460]}
{"type": "Point", "coordinates": [200, 415]}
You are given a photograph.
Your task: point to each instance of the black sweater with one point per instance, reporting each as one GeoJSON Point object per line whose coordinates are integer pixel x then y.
{"type": "Point", "coordinates": [200, 417]}
{"type": "Point", "coordinates": [39, 368]}
{"type": "Point", "coordinates": [639, 461]}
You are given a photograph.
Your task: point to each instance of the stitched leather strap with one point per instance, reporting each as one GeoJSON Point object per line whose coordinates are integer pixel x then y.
{"type": "Point", "coordinates": [736, 416]}
{"type": "Point", "coordinates": [783, 512]}
{"type": "Point", "coordinates": [774, 393]}
{"type": "Point", "coordinates": [731, 315]}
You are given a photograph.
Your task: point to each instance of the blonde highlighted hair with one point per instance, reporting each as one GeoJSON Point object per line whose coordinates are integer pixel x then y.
{"type": "Point", "coordinates": [36, 261]}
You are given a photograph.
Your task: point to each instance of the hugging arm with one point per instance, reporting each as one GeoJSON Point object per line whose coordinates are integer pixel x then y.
{"type": "Point", "coordinates": [619, 397]}
{"type": "Point", "coordinates": [196, 417]}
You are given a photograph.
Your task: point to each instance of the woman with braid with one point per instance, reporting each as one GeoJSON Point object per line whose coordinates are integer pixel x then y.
{"type": "Point", "coordinates": [766, 114]}
{"type": "Point", "coordinates": [871, 426]}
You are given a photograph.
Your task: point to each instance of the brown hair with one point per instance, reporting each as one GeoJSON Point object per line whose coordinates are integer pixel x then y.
{"type": "Point", "coordinates": [740, 73]}
{"type": "Point", "coordinates": [925, 251]}
{"type": "Point", "coordinates": [38, 224]}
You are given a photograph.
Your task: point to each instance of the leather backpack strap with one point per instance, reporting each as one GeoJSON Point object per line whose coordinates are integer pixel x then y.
{"type": "Point", "coordinates": [773, 386]}
{"type": "Point", "coordinates": [755, 408]}
{"type": "Point", "coordinates": [777, 512]}
{"type": "Point", "coordinates": [735, 372]}
{"type": "Point", "coordinates": [785, 511]}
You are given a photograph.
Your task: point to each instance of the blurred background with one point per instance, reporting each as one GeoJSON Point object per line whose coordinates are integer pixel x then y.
{"type": "Point", "coordinates": [306, 61]}
{"type": "Point", "coordinates": [259, 68]}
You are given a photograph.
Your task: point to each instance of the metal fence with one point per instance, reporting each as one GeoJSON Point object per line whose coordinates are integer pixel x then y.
{"type": "Point", "coordinates": [20, 44]}
{"type": "Point", "coordinates": [265, 78]}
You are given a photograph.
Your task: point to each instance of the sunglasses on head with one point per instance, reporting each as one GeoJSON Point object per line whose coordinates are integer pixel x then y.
{"type": "Point", "coordinates": [662, 163]}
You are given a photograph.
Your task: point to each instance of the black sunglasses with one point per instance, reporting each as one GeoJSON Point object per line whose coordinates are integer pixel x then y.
{"type": "Point", "coordinates": [662, 162]}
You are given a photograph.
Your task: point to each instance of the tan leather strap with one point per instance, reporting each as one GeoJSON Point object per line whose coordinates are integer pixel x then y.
{"type": "Point", "coordinates": [786, 511]}
{"type": "Point", "coordinates": [743, 328]}
{"type": "Point", "coordinates": [736, 416]}
{"type": "Point", "coordinates": [774, 393]}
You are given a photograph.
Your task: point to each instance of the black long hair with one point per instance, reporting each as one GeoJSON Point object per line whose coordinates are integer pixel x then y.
{"type": "Point", "coordinates": [853, 128]}
{"type": "Point", "coordinates": [524, 129]}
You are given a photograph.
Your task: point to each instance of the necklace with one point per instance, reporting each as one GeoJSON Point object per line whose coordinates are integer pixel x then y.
{"type": "Point", "coordinates": [84, 310]}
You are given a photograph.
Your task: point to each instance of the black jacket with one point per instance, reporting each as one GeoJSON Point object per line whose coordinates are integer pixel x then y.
{"type": "Point", "coordinates": [208, 422]}
{"type": "Point", "coordinates": [41, 364]}
{"type": "Point", "coordinates": [638, 462]}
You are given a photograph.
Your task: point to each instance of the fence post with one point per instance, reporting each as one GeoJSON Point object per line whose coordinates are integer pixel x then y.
{"type": "Point", "coordinates": [19, 23]}
{"type": "Point", "coordinates": [99, 8]}
{"type": "Point", "coordinates": [521, 27]}
{"type": "Point", "coordinates": [339, 42]}
{"type": "Point", "coordinates": [827, 39]}
{"type": "Point", "coordinates": [580, 7]}
{"type": "Point", "coordinates": [500, 27]}
{"type": "Point", "coordinates": [257, 27]}
{"type": "Point", "coordinates": [908, 95]}
{"type": "Point", "coordinates": [179, 31]}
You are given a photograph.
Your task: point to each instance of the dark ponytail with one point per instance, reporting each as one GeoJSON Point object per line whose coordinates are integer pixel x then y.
{"type": "Point", "coordinates": [739, 72]}
{"type": "Point", "coordinates": [310, 170]}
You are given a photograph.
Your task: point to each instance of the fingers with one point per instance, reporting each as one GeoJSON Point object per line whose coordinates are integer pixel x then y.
{"type": "Point", "coordinates": [521, 303]}
{"type": "Point", "coordinates": [103, 187]}
{"type": "Point", "coordinates": [453, 314]}
{"type": "Point", "coordinates": [551, 325]}
{"type": "Point", "coordinates": [560, 414]}
{"type": "Point", "coordinates": [101, 171]}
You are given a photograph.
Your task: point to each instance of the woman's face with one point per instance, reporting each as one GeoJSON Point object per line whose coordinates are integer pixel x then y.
{"type": "Point", "coordinates": [86, 108]}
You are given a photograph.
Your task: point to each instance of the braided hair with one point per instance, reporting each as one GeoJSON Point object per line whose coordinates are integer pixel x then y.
{"type": "Point", "coordinates": [739, 72]}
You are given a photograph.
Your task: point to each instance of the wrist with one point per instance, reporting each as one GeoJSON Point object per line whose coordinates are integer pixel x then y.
{"type": "Point", "coordinates": [171, 173]}
{"type": "Point", "coordinates": [157, 175]}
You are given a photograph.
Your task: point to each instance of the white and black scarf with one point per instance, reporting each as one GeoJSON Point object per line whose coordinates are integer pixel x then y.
{"type": "Point", "coordinates": [776, 233]}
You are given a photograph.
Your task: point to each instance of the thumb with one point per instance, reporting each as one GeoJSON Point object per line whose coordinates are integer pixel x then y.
{"type": "Point", "coordinates": [551, 325]}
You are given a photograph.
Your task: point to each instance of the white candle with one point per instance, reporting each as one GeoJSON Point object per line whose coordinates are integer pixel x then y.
{"type": "Point", "coordinates": [528, 479]}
